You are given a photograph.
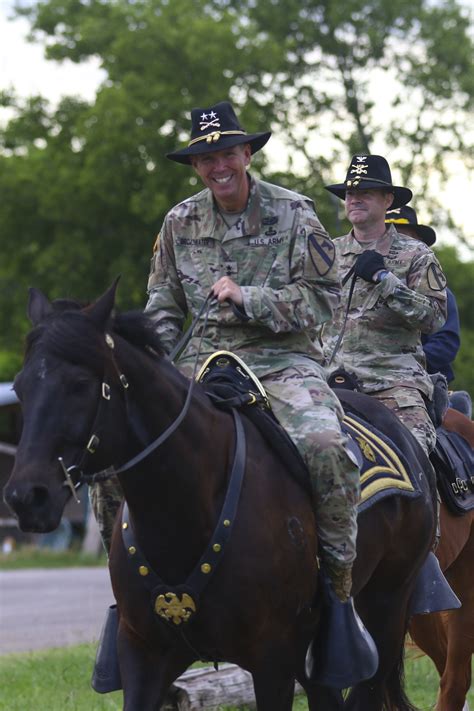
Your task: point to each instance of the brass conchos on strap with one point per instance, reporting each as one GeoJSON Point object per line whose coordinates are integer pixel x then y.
{"type": "Point", "coordinates": [174, 608]}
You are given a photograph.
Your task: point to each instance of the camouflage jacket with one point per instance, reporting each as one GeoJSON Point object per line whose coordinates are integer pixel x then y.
{"type": "Point", "coordinates": [279, 254]}
{"type": "Point", "coordinates": [382, 339]}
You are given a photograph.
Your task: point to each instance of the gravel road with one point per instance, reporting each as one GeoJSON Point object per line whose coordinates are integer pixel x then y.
{"type": "Point", "coordinates": [52, 608]}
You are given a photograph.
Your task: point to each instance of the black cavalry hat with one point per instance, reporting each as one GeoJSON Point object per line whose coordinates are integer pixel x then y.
{"type": "Point", "coordinates": [215, 129]}
{"type": "Point", "coordinates": [407, 216]}
{"type": "Point", "coordinates": [370, 172]}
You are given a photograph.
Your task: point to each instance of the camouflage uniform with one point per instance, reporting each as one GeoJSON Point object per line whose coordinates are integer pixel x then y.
{"type": "Point", "coordinates": [382, 339]}
{"type": "Point", "coordinates": [281, 257]}
{"type": "Point", "coordinates": [105, 498]}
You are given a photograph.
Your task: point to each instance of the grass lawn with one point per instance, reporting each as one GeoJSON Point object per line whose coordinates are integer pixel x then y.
{"type": "Point", "coordinates": [35, 557]}
{"type": "Point", "coordinates": [59, 680]}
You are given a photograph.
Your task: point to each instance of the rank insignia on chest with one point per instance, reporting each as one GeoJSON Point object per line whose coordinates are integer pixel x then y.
{"type": "Point", "coordinates": [270, 220]}
{"type": "Point", "coordinates": [322, 253]}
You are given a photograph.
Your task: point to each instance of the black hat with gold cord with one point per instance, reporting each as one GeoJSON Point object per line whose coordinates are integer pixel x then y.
{"type": "Point", "coordinates": [406, 216]}
{"type": "Point", "coordinates": [370, 172]}
{"type": "Point", "coordinates": [214, 129]}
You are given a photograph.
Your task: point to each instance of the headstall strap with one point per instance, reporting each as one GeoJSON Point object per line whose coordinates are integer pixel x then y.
{"type": "Point", "coordinates": [94, 440]}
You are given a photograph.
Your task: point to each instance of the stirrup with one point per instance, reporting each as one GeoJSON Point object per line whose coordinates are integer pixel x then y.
{"type": "Point", "coordinates": [343, 652]}
{"type": "Point", "coordinates": [432, 592]}
{"type": "Point", "coordinates": [106, 674]}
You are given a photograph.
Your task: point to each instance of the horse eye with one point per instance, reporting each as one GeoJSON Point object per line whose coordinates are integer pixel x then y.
{"type": "Point", "coordinates": [80, 386]}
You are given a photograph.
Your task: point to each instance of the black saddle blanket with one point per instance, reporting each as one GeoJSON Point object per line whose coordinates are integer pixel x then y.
{"type": "Point", "coordinates": [453, 460]}
{"type": "Point", "coordinates": [384, 470]}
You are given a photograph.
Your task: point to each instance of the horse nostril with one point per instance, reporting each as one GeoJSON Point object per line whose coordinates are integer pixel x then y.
{"type": "Point", "coordinates": [27, 497]}
{"type": "Point", "coordinates": [39, 496]}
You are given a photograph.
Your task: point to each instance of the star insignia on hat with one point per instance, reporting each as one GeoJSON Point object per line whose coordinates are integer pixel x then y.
{"type": "Point", "coordinates": [209, 119]}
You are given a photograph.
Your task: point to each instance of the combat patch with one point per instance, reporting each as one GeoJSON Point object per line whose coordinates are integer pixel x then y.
{"type": "Point", "coordinates": [435, 277]}
{"type": "Point", "coordinates": [322, 252]}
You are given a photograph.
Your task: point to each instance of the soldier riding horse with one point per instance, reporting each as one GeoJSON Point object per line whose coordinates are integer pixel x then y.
{"type": "Point", "coordinates": [236, 581]}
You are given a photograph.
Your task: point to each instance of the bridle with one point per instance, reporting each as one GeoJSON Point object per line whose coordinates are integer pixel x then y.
{"type": "Point", "coordinates": [77, 470]}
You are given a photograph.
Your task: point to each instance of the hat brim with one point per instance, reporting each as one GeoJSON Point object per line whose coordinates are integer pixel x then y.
{"type": "Point", "coordinates": [401, 196]}
{"type": "Point", "coordinates": [425, 233]}
{"type": "Point", "coordinates": [256, 141]}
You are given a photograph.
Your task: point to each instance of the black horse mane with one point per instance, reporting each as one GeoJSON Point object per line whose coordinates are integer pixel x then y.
{"type": "Point", "coordinates": [69, 333]}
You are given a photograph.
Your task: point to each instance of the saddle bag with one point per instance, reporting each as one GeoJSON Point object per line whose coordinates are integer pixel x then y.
{"type": "Point", "coordinates": [453, 460]}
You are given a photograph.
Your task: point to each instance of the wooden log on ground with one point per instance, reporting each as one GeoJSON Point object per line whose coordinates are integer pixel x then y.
{"type": "Point", "coordinates": [207, 689]}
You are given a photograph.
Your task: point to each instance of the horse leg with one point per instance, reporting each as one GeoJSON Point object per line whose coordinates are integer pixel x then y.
{"type": "Point", "coordinates": [146, 674]}
{"type": "Point", "coordinates": [323, 698]}
{"type": "Point", "coordinates": [456, 679]}
{"type": "Point", "coordinates": [274, 689]}
{"type": "Point", "coordinates": [459, 629]}
{"type": "Point", "coordinates": [384, 614]}
{"type": "Point", "coordinates": [429, 634]}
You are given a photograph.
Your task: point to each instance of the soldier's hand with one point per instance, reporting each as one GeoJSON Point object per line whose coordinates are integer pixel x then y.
{"type": "Point", "coordinates": [368, 264]}
{"type": "Point", "coordinates": [225, 288]}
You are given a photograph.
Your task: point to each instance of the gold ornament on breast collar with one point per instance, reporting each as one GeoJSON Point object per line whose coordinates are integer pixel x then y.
{"type": "Point", "coordinates": [173, 608]}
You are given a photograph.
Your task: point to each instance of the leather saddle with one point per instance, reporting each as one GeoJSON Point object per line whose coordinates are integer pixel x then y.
{"type": "Point", "coordinates": [453, 460]}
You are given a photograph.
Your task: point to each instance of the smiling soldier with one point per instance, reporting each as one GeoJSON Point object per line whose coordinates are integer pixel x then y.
{"type": "Point", "coordinates": [399, 294]}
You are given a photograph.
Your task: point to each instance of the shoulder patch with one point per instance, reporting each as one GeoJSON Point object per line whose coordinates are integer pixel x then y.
{"type": "Point", "coordinates": [435, 277]}
{"type": "Point", "coordinates": [322, 252]}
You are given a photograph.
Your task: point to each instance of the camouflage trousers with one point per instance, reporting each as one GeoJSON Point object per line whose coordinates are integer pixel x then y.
{"type": "Point", "coordinates": [310, 412]}
{"type": "Point", "coordinates": [410, 408]}
{"type": "Point", "coordinates": [106, 497]}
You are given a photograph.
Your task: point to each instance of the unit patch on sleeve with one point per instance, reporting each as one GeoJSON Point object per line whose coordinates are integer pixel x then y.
{"type": "Point", "coordinates": [322, 252]}
{"type": "Point", "coordinates": [435, 277]}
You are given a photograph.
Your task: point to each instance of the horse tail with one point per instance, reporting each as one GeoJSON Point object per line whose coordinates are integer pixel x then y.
{"type": "Point", "coordinates": [395, 697]}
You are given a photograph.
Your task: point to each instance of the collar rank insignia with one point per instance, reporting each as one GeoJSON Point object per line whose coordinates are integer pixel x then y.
{"type": "Point", "coordinates": [210, 119]}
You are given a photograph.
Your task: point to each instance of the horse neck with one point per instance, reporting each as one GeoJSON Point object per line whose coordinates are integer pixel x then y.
{"type": "Point", "coordinates": [176, 491]}
{"type": "Point", "coordinates": [455, 421]}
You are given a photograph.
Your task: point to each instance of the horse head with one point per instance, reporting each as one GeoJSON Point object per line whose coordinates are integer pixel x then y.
{"type": "Point", "coordinates": [60, 388]}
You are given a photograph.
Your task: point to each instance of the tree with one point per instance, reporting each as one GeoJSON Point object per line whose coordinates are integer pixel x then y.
{"type": "Point", "coordinates": [460, 277]}
{"type": "Point", "coordinates": [85, 186]}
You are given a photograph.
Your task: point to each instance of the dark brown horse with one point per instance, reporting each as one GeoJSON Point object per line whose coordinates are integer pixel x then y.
{"type": "Point", "coordinates": [448, 637]}
{"type": "Point", "coordinates": [89, 373]}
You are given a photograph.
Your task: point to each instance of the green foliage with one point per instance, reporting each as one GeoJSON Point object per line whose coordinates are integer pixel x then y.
{"type": "Point", "coordinates": [85, 186]}
{"type": "Point", "coordinates": [59, 680]}
{"type": "Point", "coordinates": [460, 277]}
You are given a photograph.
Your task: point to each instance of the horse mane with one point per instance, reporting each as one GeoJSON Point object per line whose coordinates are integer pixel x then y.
{"type": "Point", "coordinates": [70, 334]}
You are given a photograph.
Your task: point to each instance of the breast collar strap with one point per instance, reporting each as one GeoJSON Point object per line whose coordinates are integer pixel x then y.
{"type": "Point", "coordinates": [176, 604]}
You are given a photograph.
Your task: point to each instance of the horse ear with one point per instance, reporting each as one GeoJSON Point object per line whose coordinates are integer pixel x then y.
{"type": "Point", "coordinates": [101, 310]}
{"type": "Point", "coordinates": [39, 306]}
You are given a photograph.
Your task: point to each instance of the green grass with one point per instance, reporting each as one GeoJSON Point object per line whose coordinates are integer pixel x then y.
{"type": "Point", "coordinates": [34, 557]}
{"type": "Point", "coordinates": [59, 680]}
